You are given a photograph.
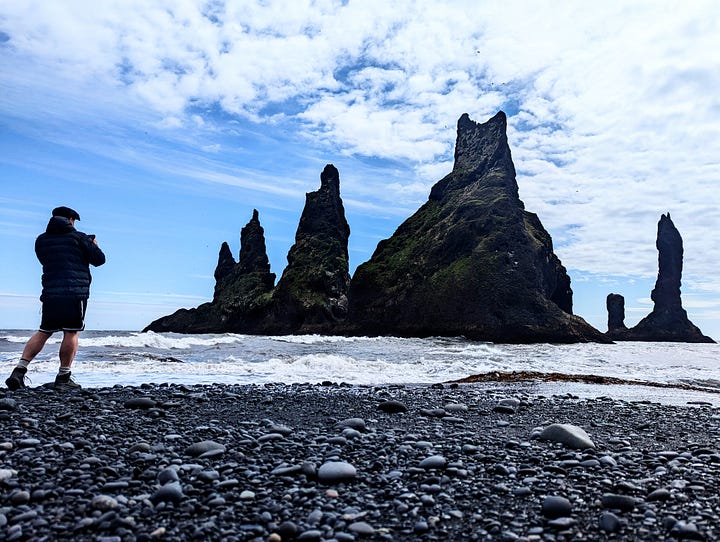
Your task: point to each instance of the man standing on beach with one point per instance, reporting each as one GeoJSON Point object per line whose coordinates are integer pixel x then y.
{"type": "Point", "coordinates": [66, 255]}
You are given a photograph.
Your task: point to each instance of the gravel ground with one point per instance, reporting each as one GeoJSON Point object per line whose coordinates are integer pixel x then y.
{"type": "Point", "coordinates": [336, 462]}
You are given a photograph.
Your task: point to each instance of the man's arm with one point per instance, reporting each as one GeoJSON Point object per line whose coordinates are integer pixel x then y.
{"type": "Point", "coordinates": [95, 255]}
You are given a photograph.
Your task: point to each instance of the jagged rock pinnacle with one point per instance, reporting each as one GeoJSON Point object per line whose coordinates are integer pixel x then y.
{"type": "Point", "coordinates": [225, 264]}
{"type": "Point", "coordinates": [330, 177]}
{"type": "Point", "coordinates": [253, 253]}
{"type": "Point", "coordinates": [480, 149]}
{"type": "Point", "coordinates": [666, 293]}
{"type": "Point", "coordinates": [668, 321]}
{"type": "Point", "coordinates": [481, 146]}
{"type": "Point", "coordinates": [471, 261]}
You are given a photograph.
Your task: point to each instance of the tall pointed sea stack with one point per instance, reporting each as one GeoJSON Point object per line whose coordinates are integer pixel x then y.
{"type": "Point", "coordinates": [471, 261]}
{"type": "Point", "coordinates": [243, 293]}
{"type": "Point", "coordinates": [668, 321]}
{"type": "Point", "coordinates": [242, 290]}
{"type": "Point", "coordinates": [311, 296]}
{"type": "Point", "coordinates": [616, 313]}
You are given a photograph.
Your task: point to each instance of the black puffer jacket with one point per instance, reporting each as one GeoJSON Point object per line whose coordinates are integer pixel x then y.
{"type": "Point", "coordinates": [66, 255]}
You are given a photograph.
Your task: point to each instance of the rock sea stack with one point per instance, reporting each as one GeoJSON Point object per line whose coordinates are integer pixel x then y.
{"type": "Point", "coordinates": [470, 262]}
{"type": "Point", "coordinates": [311, 296]}
{"type": "Point", "coordinates": [242, 289]}
{"type": "Point", "coordinates": [616, 312]}
{"type": "Point", "coordinates": [668, 321]}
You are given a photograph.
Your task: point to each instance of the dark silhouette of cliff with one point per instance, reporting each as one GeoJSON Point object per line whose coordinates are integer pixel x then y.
{"type": "Point", "coordinates": [311, 296]}
{"type": "Point", "coordinates": [471, 261]}
{"type": "Point", "coordinates": [616, 313]}
{"type": "Point", "coordinates": [242, 290]}
{"type": "Point", "coordinates": [668, 321]}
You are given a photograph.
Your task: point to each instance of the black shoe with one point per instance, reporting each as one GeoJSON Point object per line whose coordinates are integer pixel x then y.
{"type": "Point", "coordinates": [16, 380]}
{"type": "Point", "coordinates": [65, 382]}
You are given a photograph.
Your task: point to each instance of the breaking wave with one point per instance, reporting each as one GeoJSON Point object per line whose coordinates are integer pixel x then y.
{"type": "Point", "coordinates": [107, 358]}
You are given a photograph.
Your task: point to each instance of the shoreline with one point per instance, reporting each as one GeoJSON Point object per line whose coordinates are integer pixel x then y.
{"type": "Point", "coordinates": [590, 386]}
{"type": "Point", "coordinates": [434, 462]}
{"type": "Point", "coordinates": [585, 386]}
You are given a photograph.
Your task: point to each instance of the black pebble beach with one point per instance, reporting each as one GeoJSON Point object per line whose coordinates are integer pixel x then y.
{"type": "Point", "coordinates": [339, 462]}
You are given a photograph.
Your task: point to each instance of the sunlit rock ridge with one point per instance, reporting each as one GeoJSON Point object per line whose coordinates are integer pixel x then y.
{"type": "Point", "coordinates": [470, 262]}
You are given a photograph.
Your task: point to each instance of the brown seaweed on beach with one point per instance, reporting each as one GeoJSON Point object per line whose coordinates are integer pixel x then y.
{"type": "Point", "coordinates": [525, 376]}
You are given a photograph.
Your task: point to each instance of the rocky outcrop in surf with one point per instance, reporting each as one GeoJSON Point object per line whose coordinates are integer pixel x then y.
{"type": "Point", "coordinates": [242, 290]}
{"type": "Point", "coordinates": [311, 296]}
{"type": "Point", "coordinates": [668, 321]}
{"type": "Point", "coordinates": [470, 262]}
{"type": "Point", "coordinates": [616, 313]}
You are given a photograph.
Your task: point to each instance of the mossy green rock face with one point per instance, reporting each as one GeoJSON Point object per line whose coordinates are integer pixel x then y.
{"type": "Point", "coordinates": [311, 296]}
{"type": "Point", "coordinates": [471, 261]}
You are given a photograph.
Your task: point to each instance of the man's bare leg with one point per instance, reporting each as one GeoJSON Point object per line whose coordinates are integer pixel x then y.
{"type": "Point", "coordinates": [68, 348]}
{"type": "Point", "coordinates": [34, 345]}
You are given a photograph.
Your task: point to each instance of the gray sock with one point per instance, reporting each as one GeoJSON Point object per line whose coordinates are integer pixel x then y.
{"type": "Point", "coordinates": [64, 371]}
{"type": "Point", "coordinates": [23, 364]}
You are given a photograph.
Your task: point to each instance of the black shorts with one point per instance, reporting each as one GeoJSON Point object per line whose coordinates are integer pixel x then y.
{"type": "Point", "coordinates": [61, 314]}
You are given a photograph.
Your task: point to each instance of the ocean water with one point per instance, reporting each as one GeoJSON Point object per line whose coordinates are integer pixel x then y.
{"type": "Point", "coordinates": [107, 358]}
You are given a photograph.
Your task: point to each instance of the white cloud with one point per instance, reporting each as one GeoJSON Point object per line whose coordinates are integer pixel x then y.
{"type": "Point", "coordinates": [693, 302]}
{"type": "Point", "coordinates": [214, 148]}
{"type": "Point", "coordinates": [169, 123]}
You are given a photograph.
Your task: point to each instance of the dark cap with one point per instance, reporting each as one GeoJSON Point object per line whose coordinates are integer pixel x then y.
{"type": "Point", "coordinates": [66, 212]}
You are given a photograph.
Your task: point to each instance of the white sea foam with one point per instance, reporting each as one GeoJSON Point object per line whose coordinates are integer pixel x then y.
{"type": "Point", "coordinates": [15, 338]}
{"type": "Point", "coordinates": [323, 339]}
{"type": "Point", "coordinates": [138, 340]}
{"type": "Point", "coordinates": [108, 358]}
{"type": "Point", "coordinates": [160, 341]}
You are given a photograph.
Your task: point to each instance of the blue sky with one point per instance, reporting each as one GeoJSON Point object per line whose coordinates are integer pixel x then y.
{"type": "Point", "coordinates": [164, 123]}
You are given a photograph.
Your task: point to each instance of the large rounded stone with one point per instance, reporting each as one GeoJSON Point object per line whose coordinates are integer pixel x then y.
{"type": "Point", "coordinates": [609, 522]}
{"type": "Point", "coordinates": [7, 403]}
{"type": "Point", "coordinates": [140, 403]}
{"type": "Point", "coordinates": [171, 492]}
{"type": "Point", "coordinates": [392, 407]}
{"type": "Point", "coordinates": [104, 502]}
{"type": "Point", "coordinates": [199, 448]}
{"type": "Point", "coordinates": [361, 528]}
{"type": "Point", "coordinates": [624, 503]}
{"type": "Point", "coordinates": [354, 423]}
{"type": "Point", "coordinates": [167, 475]}
{"type": "Point", "coordinates": [571, 436]}
{"type": "Point", "coordinates": [433, 462]}
{"type": "Point", "coordinates": [556, 507]}
{"type": "Point", "coordinates": [334, 472]}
